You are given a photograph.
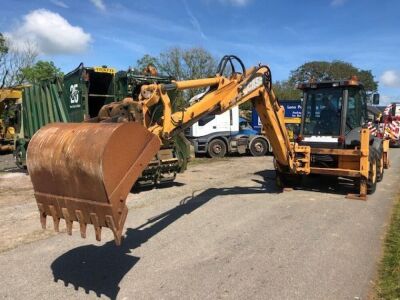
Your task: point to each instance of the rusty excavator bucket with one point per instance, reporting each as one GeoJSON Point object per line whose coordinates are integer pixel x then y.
{"type": "Point", "coordinates": [84, 172]}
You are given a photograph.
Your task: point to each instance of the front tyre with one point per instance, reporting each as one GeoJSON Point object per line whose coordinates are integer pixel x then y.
{"type": "Point", "coordinates": [216, 148]}
{"type": "Point", "coordinates": [258, 147]}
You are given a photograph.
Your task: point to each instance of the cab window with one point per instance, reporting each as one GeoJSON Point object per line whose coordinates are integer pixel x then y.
{"type": "Point", "coordinates": [356, 109]}
{"type": "Point", "coordinates": [323, 112]}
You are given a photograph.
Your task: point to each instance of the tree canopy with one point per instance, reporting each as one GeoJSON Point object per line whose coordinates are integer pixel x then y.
{"type": "Point", "coordinates": [286, 91]}
{"type": "Point", "coordinates": [13, 59]}
{"type": "Point", "coordinates": [146, 60]}
{"type": "Point", "coordinates": [18, 64]}
{"type": "Point", "coordinates": [39, 71]}
{"type": "Point", "coordinates": [3, 46]}
{"type": "Point", "coordinates": [335, 70]}
{"type": "Point", "coordinates": [182, 64]}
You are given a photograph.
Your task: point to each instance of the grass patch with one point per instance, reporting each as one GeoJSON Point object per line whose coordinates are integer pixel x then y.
{"type": "Point", "coordinates": [388, 286]}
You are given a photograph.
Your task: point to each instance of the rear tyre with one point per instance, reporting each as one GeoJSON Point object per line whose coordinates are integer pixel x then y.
{"type": "Point", "coordinates": [216, 148]}
{"type": "Point", "coordinates": [258, 147]}
{"type": "Point", "coordinates": [372, 177]}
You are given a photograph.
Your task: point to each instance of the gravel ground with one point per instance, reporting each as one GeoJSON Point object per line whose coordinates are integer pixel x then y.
{"type": "Point", "coordinates": [7, 163]}
{"type": "Point", "coordinates": [223, 230]}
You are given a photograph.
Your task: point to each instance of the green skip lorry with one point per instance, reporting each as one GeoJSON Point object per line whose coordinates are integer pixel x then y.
{"type": "Point", "coordinates": [78, 97]}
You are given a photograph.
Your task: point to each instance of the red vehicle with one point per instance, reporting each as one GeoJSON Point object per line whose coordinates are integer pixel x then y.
{"type": "Point", "coordinates": [391, 124]}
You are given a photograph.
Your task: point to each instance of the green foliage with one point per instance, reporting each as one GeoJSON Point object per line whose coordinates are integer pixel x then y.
{"type": "Point", "coordinates": [171, 63]}
{"type": "Point", "coordinates": [3, 45]}
{"type": "Point", "coordinates": [40, 71]}
{"type": "Point", "coordinates": [335, 70]}
{"type": "Point", "coordinates": [198, 63]}
{"type": "Point", "coordinates": [286, 91]}
{"type": "Point", "coordinates": [247, 106]}
{"type": "Point", "coordinates": [186, 64]}
{"type": "Point", "coordinates": [13, 59]}
{"type": "Point", "coordinates": [182, 64]}
{"type": "Point", "coordinates": [145, 61]}
{"type": "Point", "coordinates": [388, 286]}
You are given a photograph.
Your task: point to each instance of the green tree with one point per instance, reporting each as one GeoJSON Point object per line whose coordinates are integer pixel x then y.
{"type": "Point", "coordinates": [286, 91]}
{"type": "Point", "coordinates": [3, 53]}
{"type": "Point", "coordinates": [3, 46]}
{"type": "Point", "coordinates": [145, 61]}
{"type": "Point", "coordinates": [199, 63]}
{"type": "Point", "coordinates": [39, 71]}
{"type": "Point", "coordinates": [335, 70]}
{"type": "Point", "coordinates": [13, 59]}
{"type": "Point", "coordinates": [186, 64]}
{"type": "Point", "coordinates": [171, 63]}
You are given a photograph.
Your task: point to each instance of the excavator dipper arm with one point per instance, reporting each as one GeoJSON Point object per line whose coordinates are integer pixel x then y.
{"type": "Point", "coordinates": [84, 172]}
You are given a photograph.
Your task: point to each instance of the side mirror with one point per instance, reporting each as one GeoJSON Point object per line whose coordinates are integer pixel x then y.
{"type": "Point", "coordinates": [375, 99]}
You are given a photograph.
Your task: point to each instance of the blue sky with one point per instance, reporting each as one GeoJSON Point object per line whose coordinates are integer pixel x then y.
{"type": "Point", "coordinates": [283, 34]}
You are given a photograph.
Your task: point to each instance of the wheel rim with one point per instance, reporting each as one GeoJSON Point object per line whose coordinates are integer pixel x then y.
{"type": "Point", "coordinates": [258, 147]}
{"type": "Point", "coordinates": [217, 148]}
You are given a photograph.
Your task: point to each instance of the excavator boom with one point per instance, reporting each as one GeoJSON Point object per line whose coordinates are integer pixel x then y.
{"type": "Point", "coordinates": [84, 172]}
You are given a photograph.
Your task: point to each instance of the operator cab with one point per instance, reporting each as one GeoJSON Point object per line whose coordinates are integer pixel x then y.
{"type": "Point", "coordinates": [333, 113]}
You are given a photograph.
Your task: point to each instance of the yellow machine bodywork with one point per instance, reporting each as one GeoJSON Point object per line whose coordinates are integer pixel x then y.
{"type": "Point", "coordinates": [83, 178]}
{"type": "Point", "coordinates": [292, 124]}
{"type": "Point", "coordinates": [7, 132]}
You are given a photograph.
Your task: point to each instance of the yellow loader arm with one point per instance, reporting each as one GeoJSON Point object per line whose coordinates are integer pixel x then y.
{"type": "Point", "coordinates": [84, 172]}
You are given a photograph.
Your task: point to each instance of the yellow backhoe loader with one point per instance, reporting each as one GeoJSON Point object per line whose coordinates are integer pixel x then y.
{"type": "Point", "coordinates": [84, 172]}
{"type": "Point", "coordinates": [8, 99]}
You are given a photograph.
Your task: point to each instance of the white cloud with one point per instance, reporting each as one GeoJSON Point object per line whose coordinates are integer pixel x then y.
{"type": "Point", "coordinates": [50, 32]}
{"type": "Point", "coordinates": [391, 78]}
{"type": "Point", "coordinates": [59, 3]}
{"type": "Point", "coordinates": [99, 4]}
{"type": "Point", "coordinates": [236, 2]}
{"type": "Point", "coordinates": [338, 2]}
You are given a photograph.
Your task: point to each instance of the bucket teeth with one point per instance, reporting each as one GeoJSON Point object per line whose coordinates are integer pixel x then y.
{"type": "Point", "coordinates": [42, 215]}
{"type": "Point", "coordinates": [56, 219]}
{"type": "Point", "coordinates": [82, 224]}
{"type": "Point", "coordinates": [68, 220]}
{"type": "Point", "coordinates": [97, 227]}
{"type": "Point", "coordinates": [111, 225]}
{"type": "Point", "coordinates": [80, 217]}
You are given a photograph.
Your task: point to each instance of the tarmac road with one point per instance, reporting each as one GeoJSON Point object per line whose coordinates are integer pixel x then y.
{"type": "Point", "coordinates": [222, 231]}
